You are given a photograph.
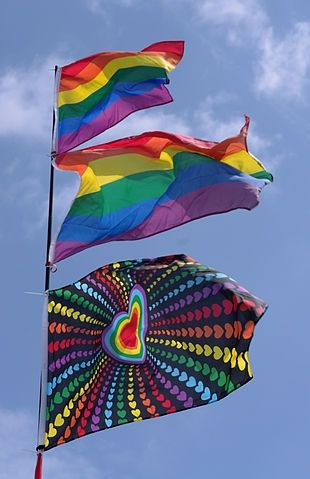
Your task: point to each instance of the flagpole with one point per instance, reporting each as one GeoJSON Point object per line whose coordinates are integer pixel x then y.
{"type": "Point", "coordinates": [49, 225]}
{"type": "Point", "coordinates": [48, 268]}
{"type": "Point", "coordinates": [48, 264]}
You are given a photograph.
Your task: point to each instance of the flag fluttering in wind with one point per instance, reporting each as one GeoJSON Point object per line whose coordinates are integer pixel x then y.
{"type": "Point", "coordinates": [142, 185]}
{"type": "Point", "coordinates": [144, 338]}
{"type": "Point", "coordinates": [96, 92]}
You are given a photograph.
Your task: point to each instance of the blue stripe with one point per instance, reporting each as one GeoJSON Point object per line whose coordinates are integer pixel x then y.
{"type": "Point", "coordinates": [91, 229]}
{"type": "Point", "coordinates": [121, 90]}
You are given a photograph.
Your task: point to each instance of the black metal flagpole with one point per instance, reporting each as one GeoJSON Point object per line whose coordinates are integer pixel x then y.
{"type": "Point", "coordinates": [49, 221]}
{"type": "Point", "coordinates": [48, 267]}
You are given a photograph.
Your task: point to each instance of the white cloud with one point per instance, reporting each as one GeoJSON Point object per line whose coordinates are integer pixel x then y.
{"type": "Point", "coordinates": [100, 7]}
{"type": "Point", "coordinates": [284, 65]}
{"type": "Point", "coordinates": [216, 128]}
{"type": "Point", "coordinates": [142, 121]}
{"type": "Point", "coordinates": [17, 455]}
{"type": "Point", "coordinates": [240, 18]}
{"type": "Point", "coordinates": [29, 193]}
{"type": "Point", "coordinates": [206, 123]}
{"type": "Point", "coordinates": [64, 195]}
{"type": "Point", "coordinates": [26, 100]}
{"type": "Point", "coordinates": [281, 64]}
{"type": "Point", "coordinates": [29, 188]}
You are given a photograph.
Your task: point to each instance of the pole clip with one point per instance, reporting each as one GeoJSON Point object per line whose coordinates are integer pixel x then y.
{"type": "Point", "coordinates": [51, 266]}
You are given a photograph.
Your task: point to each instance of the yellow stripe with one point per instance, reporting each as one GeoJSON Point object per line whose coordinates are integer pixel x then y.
{"type": "Point", "coordinates": [244, 161]}
{"type": "Point", "coordinates": [102, 171]}
{"type": "Point", "coordinates": [83, 91]}
{"type": "Point", "coordinates": [89, 183]}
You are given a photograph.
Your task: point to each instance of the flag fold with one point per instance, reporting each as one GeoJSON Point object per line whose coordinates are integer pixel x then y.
{"type": "Point", "coordinates": [139, 186]}
{"type": "Point", "coordinates": [96, 92]}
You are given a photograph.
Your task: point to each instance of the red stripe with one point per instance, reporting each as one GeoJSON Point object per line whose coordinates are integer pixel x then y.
{"type": "Point", "coordinates": [150, 144]}
{"type": "Point", "coordinates": [175, 47]}
{"type": "Point", "coordinates": [73, 69]}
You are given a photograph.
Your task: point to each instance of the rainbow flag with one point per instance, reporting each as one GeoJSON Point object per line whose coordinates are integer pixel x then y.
{"type": "Point", "coordinates": [96, 92]}
{"type": "Point", "coordinates": [142, 185]}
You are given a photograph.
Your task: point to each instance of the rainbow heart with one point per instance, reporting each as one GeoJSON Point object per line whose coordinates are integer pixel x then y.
{"type": "Point", "coordinates": [124, 338]}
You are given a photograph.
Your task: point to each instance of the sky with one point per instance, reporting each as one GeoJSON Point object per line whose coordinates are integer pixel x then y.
{"type": "Point", "coordinates": [241, 56]}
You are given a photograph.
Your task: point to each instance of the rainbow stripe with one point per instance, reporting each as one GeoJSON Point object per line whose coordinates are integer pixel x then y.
{"type": "Point", "coordinates": [96, 92]}
{"type": "Point", "coordinates": [124, 337]}
{"type": "Point", "coordinates": [140, 186]}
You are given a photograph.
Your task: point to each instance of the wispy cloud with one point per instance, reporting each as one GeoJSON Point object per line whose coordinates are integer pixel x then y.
{"type": "Point", "coordinates": [149, 120]}
{"type": "Point", "coordinates": [233, 14]}
{"type": "Point", "coordinates": [72, 461]}
{"type": "Point", "coordinates": [217, 127]}
{"type": "Point", "coordinates": [26, 99]}
{"type": "Point", "coordinates": [100, 7]}
{"type": "Point", "coordinates": [284, 64]}
{"type": "Point", "coordinates": [281, 64]}
{"type": "Point", "coordinates": [207, 123]}
{"type": "Point", "coordinates": [17, 456]}
{"type": "Point", "coordinates": [27, 190]}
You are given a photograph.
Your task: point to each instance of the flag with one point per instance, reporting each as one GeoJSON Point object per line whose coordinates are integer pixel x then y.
{"type": "Point", "coordinates": [142, 185]}
{"type": "Point", "coordinates": [143, 338]}
{"type": "Point", "coordinates": [96, 92]}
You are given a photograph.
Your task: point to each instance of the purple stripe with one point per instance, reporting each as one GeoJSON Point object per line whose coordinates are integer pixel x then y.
{"type": "Point", "coordinates": [210, 200]}
{"type": "Point", "coordinates": [113, 115]}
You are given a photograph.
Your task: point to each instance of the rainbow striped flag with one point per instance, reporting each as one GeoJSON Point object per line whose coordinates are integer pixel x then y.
{"type": "Point", "coordinates": [96, 92]}
{"type": "Point", "coordinates": [142, 185]}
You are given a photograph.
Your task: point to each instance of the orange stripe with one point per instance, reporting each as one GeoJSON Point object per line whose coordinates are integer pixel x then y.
{"type": "Point", "coordinates": [91, 70]}
{"type": "Point", "coordinates": [148, 145]}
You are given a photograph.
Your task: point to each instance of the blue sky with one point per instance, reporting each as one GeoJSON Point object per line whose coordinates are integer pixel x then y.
{"type": "Point", "coordinates": [242, 56]}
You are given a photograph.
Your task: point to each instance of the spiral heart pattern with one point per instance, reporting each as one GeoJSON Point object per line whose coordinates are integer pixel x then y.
{"type": "Point", "coordinates": [144, 338]}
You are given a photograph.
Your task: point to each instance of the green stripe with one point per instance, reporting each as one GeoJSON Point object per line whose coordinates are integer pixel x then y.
{"type": "Point", "coordinates": [123, 193]}
{"type": "Point", "coordinates": [134, 189]}
{"type": "Point", "coordinates": [185, 159]}
{"type": "Point", "coordinates": [130, 75]}
{"type": "Point", "coordinates": [263, 175]}
{"type": "Point", "coordinates": [140, 187]}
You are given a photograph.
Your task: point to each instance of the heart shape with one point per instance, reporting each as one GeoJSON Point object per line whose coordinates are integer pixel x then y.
{"type": "Point", "coordinates": [182, 396]}
{"type": "Point", "coordinates": [200, 387]}
{"type": "Point", "coordinates": [206, 394]}
{"type": "Point", "coordinates": [124, 338]}
{"type": "Point", "coordinates": [174, 390]}
{"type": "Point", "coordinates": [191, 382]}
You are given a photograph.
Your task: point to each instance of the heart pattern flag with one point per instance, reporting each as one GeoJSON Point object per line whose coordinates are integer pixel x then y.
{"type": "Point", "coordinates": [144, 338]}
